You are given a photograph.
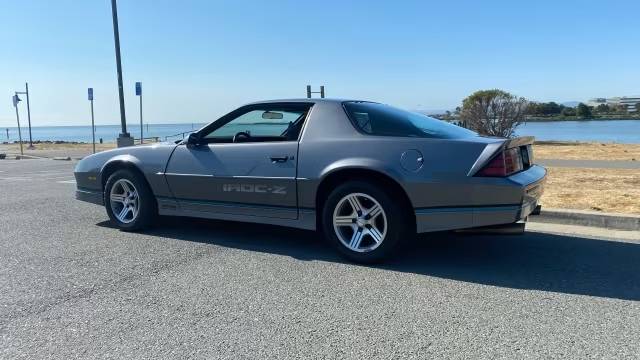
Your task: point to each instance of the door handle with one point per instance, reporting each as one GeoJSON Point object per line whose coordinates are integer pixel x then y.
{"type": "Point", "coordinates": [279, 159]}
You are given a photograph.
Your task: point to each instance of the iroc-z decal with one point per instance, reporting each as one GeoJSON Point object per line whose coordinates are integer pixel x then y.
{"type": "Point", "coordinates": [250, 188]}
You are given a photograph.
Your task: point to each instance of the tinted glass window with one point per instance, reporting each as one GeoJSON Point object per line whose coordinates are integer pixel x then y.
{"type": "Point", "coordinates": [379, 119]}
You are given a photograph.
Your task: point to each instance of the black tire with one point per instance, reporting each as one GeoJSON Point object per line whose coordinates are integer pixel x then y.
{"type": "Point", "coordinates": [398, 222]}
{"type": "Point", "coordinates": [147, 208]}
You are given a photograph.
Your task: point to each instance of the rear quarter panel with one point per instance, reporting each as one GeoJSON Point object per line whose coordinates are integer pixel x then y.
{"type": "Point", "coordinates": [331, 143]}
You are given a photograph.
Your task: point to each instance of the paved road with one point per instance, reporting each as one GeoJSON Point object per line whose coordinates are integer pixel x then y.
{"type": "Point", "coordinates": [73, 287]}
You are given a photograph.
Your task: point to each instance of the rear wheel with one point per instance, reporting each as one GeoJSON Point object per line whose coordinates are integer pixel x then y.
{"type": "Point", "coordinates": [129, 201]}
{"type": "Point", "coordinates": [363, 223]}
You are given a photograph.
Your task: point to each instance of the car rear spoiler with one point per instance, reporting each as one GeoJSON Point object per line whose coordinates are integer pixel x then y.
{"type": "Point", "coordinates": [492, 149]}
{"type": "Point", "coordinates": [519, 141]}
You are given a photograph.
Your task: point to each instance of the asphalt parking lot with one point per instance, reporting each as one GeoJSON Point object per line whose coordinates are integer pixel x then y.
{"type": "Point", "coordinates": [74, 287]}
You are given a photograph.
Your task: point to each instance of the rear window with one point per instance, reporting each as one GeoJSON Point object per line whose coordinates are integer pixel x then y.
{"type": "Point", "coordinates": [384, 120]}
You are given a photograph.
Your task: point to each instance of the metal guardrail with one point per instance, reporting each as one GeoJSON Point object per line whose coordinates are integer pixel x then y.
{"type": "Point", "coordinates": [182, 134]}
{"type": "Point", "coordinates": [151, 139]}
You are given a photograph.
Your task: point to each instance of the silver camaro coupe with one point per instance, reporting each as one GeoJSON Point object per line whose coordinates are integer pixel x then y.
{"type": "Point", "coordinates": [367, 175]}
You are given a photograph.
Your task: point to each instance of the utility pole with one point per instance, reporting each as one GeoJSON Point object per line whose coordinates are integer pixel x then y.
{"type": "Point", "coordinates": [26, 92]}
{"type": "Point", "coordinates": [16, 99]}
{"type": "Point", "coordinates": [93, 126]}
{"type": "Point", "coordinates": [124, 139]}
{"type": "Point", "coordinates": [309, 92]}
{"type": "Point", "coordinates": [139, 94]}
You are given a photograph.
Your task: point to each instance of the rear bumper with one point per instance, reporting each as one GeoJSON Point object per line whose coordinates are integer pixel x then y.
{"type": "Point", "coordinates": [531, 183]}
{"type": "Point", "coordinates": [91, 196]}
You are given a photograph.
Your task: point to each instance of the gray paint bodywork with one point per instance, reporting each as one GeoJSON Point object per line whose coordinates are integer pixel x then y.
{"type": "Point", "coordinates": [238, 181]}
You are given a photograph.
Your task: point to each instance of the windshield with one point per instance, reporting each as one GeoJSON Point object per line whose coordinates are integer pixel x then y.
{"type": "Point", "coordinates": [379, 119]}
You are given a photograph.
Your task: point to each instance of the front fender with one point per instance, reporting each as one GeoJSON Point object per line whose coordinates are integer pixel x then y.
{"type": "Point", "coordinates": [118, 159]}
{"type": "Point", "coordinates": [151, 160]}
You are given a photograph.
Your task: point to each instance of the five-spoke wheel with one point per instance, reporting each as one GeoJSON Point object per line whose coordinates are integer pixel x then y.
{"type": "Point", "coordinates": [129, 201]}
{"type": "Point", "coordinates": [360, 222]}
{"type": "Point", "coordinates": [125, 202]}
{"type": "Point", "coordinates": [363, 222]}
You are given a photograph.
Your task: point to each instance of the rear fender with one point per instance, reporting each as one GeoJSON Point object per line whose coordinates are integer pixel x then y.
{"type": "Point", "coordinates": [360, 163]}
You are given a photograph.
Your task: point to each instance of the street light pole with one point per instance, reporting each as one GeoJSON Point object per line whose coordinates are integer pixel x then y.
{"type": "Point", "coordinates": [16, 99]}
{"type": "Point", "coordinates": [26, 92]}
{"type": "Point", "coordinates": [124, 139]}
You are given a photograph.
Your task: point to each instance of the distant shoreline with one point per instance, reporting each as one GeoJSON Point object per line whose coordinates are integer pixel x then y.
{"type": "Point", "coordinates": [55, 142]}
{"type": "Point", "coordinates": [574, 118]}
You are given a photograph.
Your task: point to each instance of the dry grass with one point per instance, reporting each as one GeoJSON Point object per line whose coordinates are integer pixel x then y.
{"type": "Point", "coordinates": [580, 151]}
{"type": "Point", "coordinates": [608, 190]}
{"type": "Point", "coordinates": [587, 151]}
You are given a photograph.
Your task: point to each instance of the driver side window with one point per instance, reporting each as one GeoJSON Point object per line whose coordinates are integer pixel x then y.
{"type": "Point", "coordinates": [261, 125]}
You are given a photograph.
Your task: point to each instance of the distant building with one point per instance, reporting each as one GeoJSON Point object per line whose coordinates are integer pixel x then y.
{"type": "Point", "coordinates": [628, 101]}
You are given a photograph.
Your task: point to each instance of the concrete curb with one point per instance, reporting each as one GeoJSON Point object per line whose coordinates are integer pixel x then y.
{"type": "Point", "coordinates": [588, 218]}
{"type": "Point", "coordinates": [26, 157]}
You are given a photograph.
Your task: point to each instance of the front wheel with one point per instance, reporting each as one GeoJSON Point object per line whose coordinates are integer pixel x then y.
{"type": "Point", "coordinates": [129, 201]}
{"type": "Point", "coordinates": [363, 222]}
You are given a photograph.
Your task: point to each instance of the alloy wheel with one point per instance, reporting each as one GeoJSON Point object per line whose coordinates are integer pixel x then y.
{"type": "Point", "coordinates": [360, 222]}
{"type": "Point", "coordinates": [125, 201]}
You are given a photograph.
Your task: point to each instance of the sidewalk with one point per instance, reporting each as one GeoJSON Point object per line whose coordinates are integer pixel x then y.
{"type": "Point", "coordinates": [74, 152]}
{"type": "Point", "coordinates": [597, 164]}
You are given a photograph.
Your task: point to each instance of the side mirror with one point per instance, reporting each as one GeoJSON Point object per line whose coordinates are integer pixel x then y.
{"type": "Point", "coordinates": [194, 139]}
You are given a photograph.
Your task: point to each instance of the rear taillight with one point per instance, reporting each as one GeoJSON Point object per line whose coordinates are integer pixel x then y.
{"type": "Point", "coordinates": [513, 160]}
{"type": "Point", "coordinates": [505, 163]}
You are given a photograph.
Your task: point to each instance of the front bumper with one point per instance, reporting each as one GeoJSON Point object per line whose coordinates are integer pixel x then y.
{"type": "Point", "coordinates": [454, 218]}
{"type": "Point", "coordinates": [91, 196]}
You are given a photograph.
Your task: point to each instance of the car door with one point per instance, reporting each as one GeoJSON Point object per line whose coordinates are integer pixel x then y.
{"type": "Point", "coordinates": [248, 175]}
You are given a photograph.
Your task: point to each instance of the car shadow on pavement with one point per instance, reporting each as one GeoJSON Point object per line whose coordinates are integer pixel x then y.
{"type": "Point", "coordinates": [534, 261]}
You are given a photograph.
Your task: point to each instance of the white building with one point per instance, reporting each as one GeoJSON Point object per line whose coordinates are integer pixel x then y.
{"type": "Point", "coordinates": [628, 101]}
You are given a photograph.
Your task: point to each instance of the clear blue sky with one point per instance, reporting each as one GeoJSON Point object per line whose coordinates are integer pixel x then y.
{"type": "Point", "coordinates": [199, 59]}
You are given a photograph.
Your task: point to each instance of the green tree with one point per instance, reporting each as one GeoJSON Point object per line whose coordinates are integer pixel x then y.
{"type": "Point", "coordinates": [493, 112]}
{"type": "Point", "coordinates": [638, 108]}
{"type": "Point", "coordinates": [619, 109]}
{"type": "Point", "coordinates": [603, 109]}
{"type": "Point", "coordinates": [544, 109]}
{"type": "Point", "coordinates": [568, 111]}
{"type": "Point", "coordinates": [552, 108]}
{"type": "Point", "coordinates": [583, 111]}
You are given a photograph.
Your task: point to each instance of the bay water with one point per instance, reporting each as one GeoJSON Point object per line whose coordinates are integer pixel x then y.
{"type": "Point", "coordinates": [610, 131]}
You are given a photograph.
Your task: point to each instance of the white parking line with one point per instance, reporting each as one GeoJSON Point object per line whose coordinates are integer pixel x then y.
{"type": "Point", "coordinates": [15, 179]}
{"type": "Point", "coordinates": [58, 177]}
{"type": "Point", "coordinates": [43, 175]}
{"type": "Point", "coordinates": [66, 182]}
